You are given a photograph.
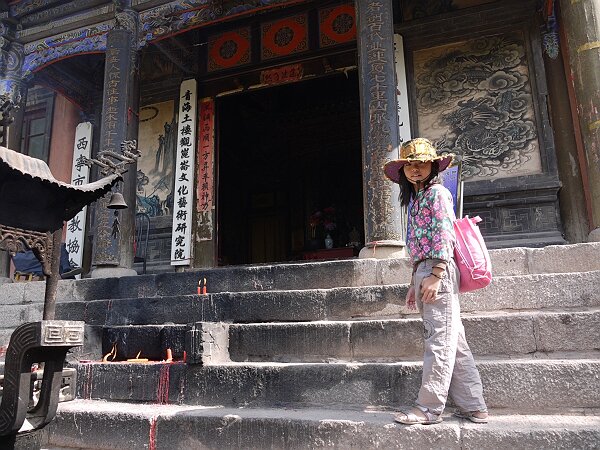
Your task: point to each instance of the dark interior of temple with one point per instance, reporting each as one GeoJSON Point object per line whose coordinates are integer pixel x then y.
{"type": "Point", "coordinates": [284, 154]}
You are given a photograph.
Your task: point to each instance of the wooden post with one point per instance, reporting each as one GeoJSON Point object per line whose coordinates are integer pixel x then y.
{"type": "Point", "coordinates": [52, 280]}
{"type": "Point", "coordinates": [580, 23]}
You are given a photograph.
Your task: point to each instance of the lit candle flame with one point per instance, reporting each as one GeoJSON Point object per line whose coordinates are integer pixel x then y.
{"type": "Point", "coordinates": [112, 354]}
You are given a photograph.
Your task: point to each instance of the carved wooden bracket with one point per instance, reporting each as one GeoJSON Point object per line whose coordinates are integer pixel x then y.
{"type": "Point", "coordinates": [14, 240]}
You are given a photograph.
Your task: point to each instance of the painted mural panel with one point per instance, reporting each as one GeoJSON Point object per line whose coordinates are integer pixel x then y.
{"type": "Point", "coordinates": [157, 143]}
{"type": "Point", "coordinates": [474, 98]}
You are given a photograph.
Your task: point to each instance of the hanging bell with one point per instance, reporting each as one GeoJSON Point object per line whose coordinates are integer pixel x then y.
{"type": "Point", "coordinates": [116, 201]}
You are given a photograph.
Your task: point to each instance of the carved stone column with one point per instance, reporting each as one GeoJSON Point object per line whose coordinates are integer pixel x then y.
{"type": "Point", "coordinates": [114, 230]}
{"type": "Point", "coordinates": [11, 82]}
{"type": "Point", "coordinates": [12, 98]}
{"type": "Point", "coordinates": [385, 223]}
{"type": "Point", "coordinates": [580, 21]}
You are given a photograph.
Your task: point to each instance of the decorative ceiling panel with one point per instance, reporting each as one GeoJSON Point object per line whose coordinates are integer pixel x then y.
{"type": "Point", "coordinates": [181, 15]}
{"type": "Point", "coordinates": [229, 49]}
{"type": "Point", "coordinates": [284, 37]}
{"type": "Point", "coordinates": [337, 25]}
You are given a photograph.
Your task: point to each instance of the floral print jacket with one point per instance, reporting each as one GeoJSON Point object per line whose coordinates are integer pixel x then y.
{"type": "Point", "coordinates": [430, 225]}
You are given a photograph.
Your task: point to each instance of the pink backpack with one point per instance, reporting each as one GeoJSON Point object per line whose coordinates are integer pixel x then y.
{"type": "Point", "coordinates": [471, 255]}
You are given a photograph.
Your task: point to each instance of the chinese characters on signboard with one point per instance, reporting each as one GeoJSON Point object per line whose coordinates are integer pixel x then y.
{"type": "Point", "coordinates": [113, 132]}
{"type": "Point", "coordinates": [378, 79]}
{"type": "Point", "coordinates": [285, 74]}
{"type": "Point", "coordinates": [79, 176]}
{"type": "Point", "coordinates": [181, 244]}
{"type": "Point", "coordinates": [204, 188]}
{"type": "Point", "coordinates": [112, 100]}
{"type": "Point", "coordinates": [402, 90]}
{"type": "Point", "coordinates": [379, 118]}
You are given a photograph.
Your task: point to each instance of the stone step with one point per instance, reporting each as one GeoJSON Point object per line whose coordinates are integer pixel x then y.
{"type": "Point", "coordinates": [401, 339]}
{"type": "Point", "coordinates": [100, 425]}
{"type": "Point", "coordinates": [299, 276]}
{"type": "Point", "coordinates": [574, 290]}
{"type": "Point", "coordinates": [494, 333]}
{"type": "Point", "coordinates": [508, 383]}
{"type": "Point", "coordinates": [144, 341]}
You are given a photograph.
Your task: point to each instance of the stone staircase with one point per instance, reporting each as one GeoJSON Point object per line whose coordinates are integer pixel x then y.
{"type": "Point", "coordinates": [313, 355]}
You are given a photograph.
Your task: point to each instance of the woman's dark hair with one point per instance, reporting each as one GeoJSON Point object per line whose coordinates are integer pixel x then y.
{"type": "Point", "coordinates": [407, 189]}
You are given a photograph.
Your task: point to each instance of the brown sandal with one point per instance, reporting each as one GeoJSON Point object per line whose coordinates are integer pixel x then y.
{"type": "Point", "coordinates": [473, 416]}
{"type": "Point", "coordinates": [412, 418]}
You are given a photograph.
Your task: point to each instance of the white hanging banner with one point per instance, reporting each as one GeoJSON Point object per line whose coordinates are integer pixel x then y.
{"type": "Point", "coordinates": [402, 90]}
{"type": "Point", "coordinates": [181, 243]}
{"type": "Point", "coordinates": [80, 174]}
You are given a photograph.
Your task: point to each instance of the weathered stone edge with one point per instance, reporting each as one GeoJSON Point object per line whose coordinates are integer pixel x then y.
{"type": "Point", "coordinates": [285, 276]}
{"type": "Point", "coordinates": [507, 383]}
{"type": "Point", "coordinates": [80, 425]}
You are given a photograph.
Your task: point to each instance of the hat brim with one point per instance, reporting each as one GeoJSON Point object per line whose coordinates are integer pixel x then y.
{"type": "Point", "coordinates": [392, 168]}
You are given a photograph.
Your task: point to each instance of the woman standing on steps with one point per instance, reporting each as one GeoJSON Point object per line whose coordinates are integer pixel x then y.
{"type": "Point", "coordinates": [448, 365]}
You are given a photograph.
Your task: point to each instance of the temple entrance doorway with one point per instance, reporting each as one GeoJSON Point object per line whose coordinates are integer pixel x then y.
{"type": "Point", "coordinates": [290, 171]}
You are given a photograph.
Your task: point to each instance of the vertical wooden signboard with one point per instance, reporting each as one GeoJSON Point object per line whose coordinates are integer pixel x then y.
{"type": "Point", "coordinates": [401, 90]}
{"type": "Point", "coordinates": [181, 244]}
{"type": "Point", "coordinates": [80, 174]}
{"type": "Point", "coordinates": [204, 188]}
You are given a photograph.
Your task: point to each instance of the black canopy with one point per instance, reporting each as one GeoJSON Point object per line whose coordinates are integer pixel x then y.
{"type": "Point", "coordinates": [31, 198]}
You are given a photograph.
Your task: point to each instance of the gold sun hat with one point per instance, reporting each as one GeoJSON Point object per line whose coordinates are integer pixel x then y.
{"type": "Point", "coordinates": [418, 149]}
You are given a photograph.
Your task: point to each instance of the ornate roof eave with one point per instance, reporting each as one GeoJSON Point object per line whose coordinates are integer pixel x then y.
{"type": "Point", "coordinates": [155, 23]}
{"type": "Point", "coordinates": [177, 17]}
{"type": "Point", "coordinates": [33, 199]}
{"type": "Point", "coordinates": [84, 40]}
{"type": "Point", "coordinates": [58, 24]}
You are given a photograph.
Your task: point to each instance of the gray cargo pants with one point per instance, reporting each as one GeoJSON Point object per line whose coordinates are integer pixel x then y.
{"type": "Point", "coordinates": [448, 365]}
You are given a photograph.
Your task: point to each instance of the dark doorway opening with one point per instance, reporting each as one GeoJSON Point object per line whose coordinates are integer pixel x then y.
{"type": "Point", "coordinates": [285, 155]}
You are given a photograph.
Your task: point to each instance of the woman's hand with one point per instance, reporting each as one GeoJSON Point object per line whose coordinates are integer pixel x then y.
{"type": "Point", "coordinates": [429, 288]}
{"type": "Point", "coordinates": [410, 298]}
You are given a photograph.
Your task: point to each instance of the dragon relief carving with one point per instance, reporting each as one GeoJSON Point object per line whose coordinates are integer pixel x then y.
{"type": "Point", "coordinates": [474, 99]}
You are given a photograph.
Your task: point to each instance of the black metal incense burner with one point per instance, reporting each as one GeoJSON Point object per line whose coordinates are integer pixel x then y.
{"type": "Point", "coordinates": [33, 207]}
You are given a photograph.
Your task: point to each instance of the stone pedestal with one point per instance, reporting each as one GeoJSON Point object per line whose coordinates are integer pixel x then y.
{"type": "Point", "coordinates": [383, 250]}
{"type": "Point", "coordinates": [594, 235]}
{"type": "Point", "coordinates": [112, 272]}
